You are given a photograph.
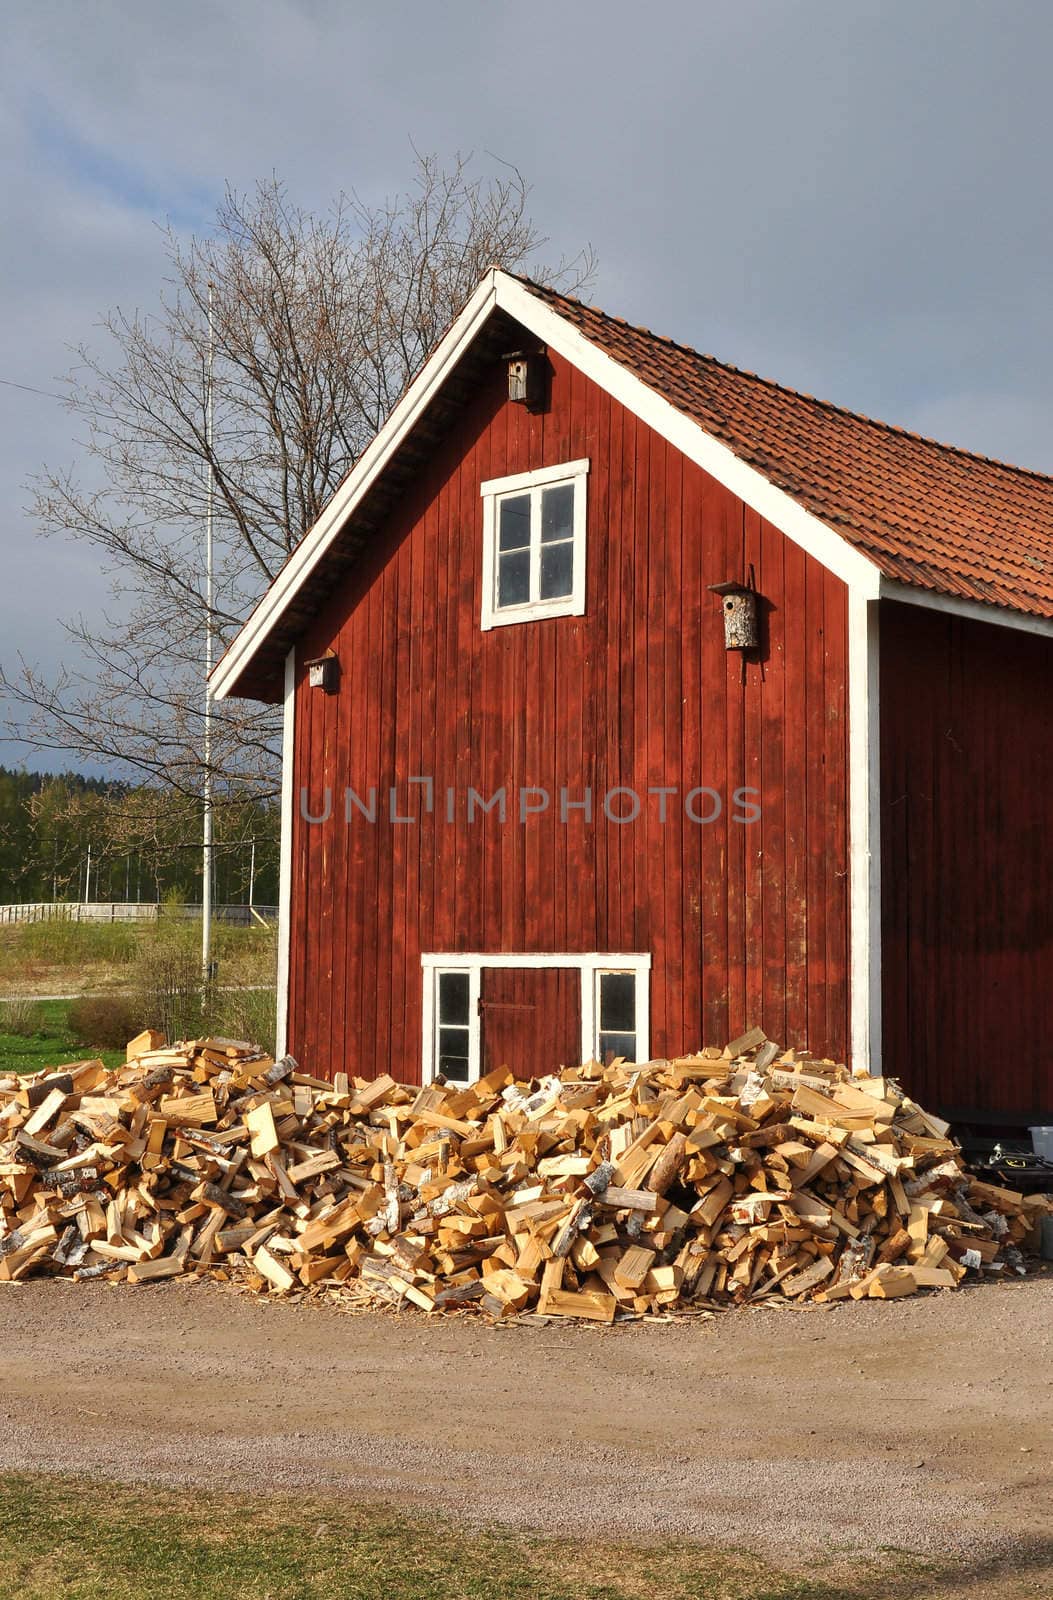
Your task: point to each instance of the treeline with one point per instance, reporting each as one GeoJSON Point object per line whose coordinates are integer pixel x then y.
{"type": "Point", "coordinates": [68, 837]}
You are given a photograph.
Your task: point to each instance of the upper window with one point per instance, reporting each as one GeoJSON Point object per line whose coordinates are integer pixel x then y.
{"type": "Point", "coordinates": [534, 545]}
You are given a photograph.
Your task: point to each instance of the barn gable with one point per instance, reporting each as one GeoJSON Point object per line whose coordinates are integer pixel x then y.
{"type": "Point", "coordinates": [892, 514]}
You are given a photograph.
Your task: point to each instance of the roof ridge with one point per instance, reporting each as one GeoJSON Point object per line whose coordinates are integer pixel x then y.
{"type": "Point", "coordinates": [785, 388]}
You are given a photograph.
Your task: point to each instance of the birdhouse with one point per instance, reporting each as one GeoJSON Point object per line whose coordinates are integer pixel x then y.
{"type": "Point", "coordinates": [739, 605]}
{"type": "Point", "coordinates": [526, 378]}
{"type": "Point", "coordinates": [323, 673]}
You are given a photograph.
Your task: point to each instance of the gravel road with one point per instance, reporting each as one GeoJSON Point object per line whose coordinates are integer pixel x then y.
{"type": "Point", "coordinates": [921, 1424]}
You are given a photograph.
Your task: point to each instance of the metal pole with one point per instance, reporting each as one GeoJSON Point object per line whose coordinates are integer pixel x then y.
{"type": "Point", "coordinates": [87, 877]}
{"type": "Point", "coordinates": [206, 863]}
{"type": "Point", "coordinates": [252, 872]}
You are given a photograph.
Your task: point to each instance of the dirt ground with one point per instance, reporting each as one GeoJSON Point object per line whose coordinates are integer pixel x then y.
{"type": "Point", "coordinates": [922, 1425]}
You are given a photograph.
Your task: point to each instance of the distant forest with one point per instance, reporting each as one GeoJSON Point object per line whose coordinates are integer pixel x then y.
{"type": "Point", "coordinates": [68, 837]}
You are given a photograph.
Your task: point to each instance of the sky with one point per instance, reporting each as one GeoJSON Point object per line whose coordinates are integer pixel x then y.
{"type": "Point", "coordinates": [854, 200]}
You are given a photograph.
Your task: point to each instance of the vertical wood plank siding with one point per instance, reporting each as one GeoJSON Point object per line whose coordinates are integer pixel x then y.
{"type": "Point", "coordinates": [967, 864]}
{"type": "Point", "coordinates": [745, 923]}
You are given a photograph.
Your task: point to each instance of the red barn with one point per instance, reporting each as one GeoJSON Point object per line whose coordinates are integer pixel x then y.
{"type": "Point", "coordinates": [545, 793]}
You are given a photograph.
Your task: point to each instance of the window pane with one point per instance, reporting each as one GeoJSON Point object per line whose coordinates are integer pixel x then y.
{"type": "Point", "coordinates": [617, 1002]}
{"type": "Point", "coordinates": [513, 578]}
{"type": "Point", "coordinates": [557, 570]}
{"type": "Point", "coordinates": [618, 1044]}
{"type": "Point", "coordinates": [515, 522]}
{"type": "Point", "coordinates": [453, 1053]}
{"type": "Point", "coordinates": [557, 512]}
{"type": "Point", "coordinates": [453, 997]}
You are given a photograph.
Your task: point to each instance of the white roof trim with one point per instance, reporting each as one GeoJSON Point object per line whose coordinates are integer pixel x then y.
{"type": "Point", "coordinates": [971, 610]}
{"type": "Point", "coordinates": [370, 464]}
{"type": "Point", "coordinates": [693, 441]}
{"type": "Point", "coordinates": [498, 290]}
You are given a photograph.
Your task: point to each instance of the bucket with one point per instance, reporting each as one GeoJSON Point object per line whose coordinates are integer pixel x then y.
{"type": "Point", "coordinates": [1042, 1142]}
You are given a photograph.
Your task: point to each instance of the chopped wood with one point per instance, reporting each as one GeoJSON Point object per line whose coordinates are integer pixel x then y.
{"type": "Point", "coordinates": [260, 1123]}
{"type": "Point", "coordinates": [143, 1043]}
{"type": "Point", "coordinates": [732, 1177]}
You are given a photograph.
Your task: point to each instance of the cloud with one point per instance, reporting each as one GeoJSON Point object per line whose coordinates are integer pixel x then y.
{"type": "Point", "coordinates": [849, 199]}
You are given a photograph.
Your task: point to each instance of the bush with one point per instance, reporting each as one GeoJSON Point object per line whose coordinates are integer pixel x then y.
{"type": "Point", "coordinates": [245, 1014]}
{"type": "Point", "coordinates": [167, 985]}
{"type": "Point", "coordinates": [103, 1022]}
{"type": "Point", "coordinates": [22, 1017]}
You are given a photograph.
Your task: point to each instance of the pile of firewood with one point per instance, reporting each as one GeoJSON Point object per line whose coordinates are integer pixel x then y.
{"type": "Point", "coordinates": [730, 1177]}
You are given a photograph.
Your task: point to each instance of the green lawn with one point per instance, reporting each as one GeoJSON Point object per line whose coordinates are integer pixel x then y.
{"type": "Point", "coordinates": [91, 958]}
{"type": "Point", "coordinates": [89, 1541]}
{"type": "Point", "coordinates": [51, 1046]}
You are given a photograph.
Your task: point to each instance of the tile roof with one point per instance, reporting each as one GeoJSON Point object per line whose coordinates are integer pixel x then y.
{"type": "Point", "coordinates": [927, 514]}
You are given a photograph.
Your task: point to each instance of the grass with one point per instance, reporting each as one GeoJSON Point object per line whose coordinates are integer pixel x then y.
{"type": "Point", "coordinates": [154, 967]}
{"type": "Point", "coordinates": [88, 958]}
{"type": "Point", "coordinates": [58, 944]}
{"type": "Point", "coordinates": [50, 1045]}
{"type": "Point", "coordinates": [88, 1541]}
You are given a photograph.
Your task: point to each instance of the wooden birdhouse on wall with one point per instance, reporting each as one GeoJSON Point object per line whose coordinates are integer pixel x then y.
{"type": "Point", "coordinates": [526, 378]}
{"type": "Point", "coordinates": [324, 673]}
{"type": "Point", "coordinates": [739, 605]}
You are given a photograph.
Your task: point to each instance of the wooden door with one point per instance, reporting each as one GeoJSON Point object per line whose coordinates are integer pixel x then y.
{"type": "Point", "coordinates": [530, 1019]}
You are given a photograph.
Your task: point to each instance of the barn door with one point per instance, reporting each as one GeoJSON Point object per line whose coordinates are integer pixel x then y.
{"type": "Point", "coordinates": [530, 1019]}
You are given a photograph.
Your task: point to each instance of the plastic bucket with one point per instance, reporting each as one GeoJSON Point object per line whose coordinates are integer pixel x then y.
{"type": "Point", "coordinates": [1042, 1142]}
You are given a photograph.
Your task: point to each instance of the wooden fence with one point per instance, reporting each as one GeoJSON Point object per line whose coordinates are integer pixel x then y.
{"type": "Point", "coordinates": [128, 911]}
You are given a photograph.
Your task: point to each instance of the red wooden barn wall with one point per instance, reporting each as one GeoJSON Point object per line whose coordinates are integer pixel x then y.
{"type": "Point", "coordinates": [745, 923]}
{"type": "Point", "coordinates": [967, 865]}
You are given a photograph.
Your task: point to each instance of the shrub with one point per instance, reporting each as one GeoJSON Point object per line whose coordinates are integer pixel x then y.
{"type": "Point", "coordinates": [166, 980]}
{"type": "Point", "coordinates": [245, 1014]}
{"type": "Point", "coordinates": [103, 1022]}
{"type": "Point", "coordinates": [23, 1017]}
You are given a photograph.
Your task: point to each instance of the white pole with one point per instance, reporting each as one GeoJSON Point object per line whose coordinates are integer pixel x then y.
{"type": "Point", "coordinates": [87, 877]}
{"type": "Point", "coordinates": [206, 863]}
{"type": "Point", "coordinates": [252, 872]}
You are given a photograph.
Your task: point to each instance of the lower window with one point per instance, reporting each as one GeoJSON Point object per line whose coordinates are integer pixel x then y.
{"type": "Point", "coordinates": [614, 1013]}
{"type": "Point", "coordinates": [454, 1056]}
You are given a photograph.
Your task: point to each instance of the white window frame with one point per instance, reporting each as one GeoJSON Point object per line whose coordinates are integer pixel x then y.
{"type": "Point", "coordinates": [435, 968]}
{"type": "Point", "coordinates": [589, 965]}
{"type": "Point", "coordinates": [493, 491]}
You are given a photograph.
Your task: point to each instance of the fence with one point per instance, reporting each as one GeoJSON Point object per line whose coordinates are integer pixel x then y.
{"type": "Point", "coordinates": [127, 911]}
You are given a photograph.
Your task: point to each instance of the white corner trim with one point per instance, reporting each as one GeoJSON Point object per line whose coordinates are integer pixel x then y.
{"type": "Point", "coordinates": [971, 610]}
{"type": "Point", "coordinates": [285, 857]}
{"type": "Point", "coordinates": [864, 831]}
{"type": "Point", "coordinates": [491, 615]}
{"type": "Point", "coordinates": [589, 964]}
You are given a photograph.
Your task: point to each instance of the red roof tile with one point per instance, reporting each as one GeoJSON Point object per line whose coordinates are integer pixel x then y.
{"type": "Point", "coordinates": [927, 514]}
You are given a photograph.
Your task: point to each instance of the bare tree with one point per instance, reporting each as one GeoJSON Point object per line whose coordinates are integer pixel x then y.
{"type": "Point", "coordinates": [320, 323]}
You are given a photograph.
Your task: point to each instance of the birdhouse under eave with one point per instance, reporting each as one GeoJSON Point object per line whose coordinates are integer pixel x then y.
{"type": "Point", "coordinates": [323, 673]}
{"type": "Point", "coordinates": [526, 378]}
{"type": "Point", "coordinates": [739, 605]}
